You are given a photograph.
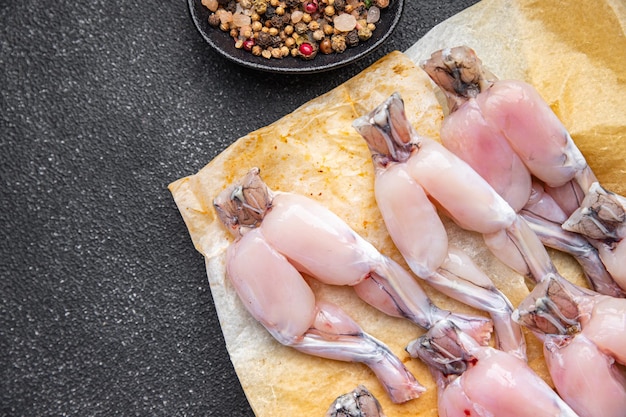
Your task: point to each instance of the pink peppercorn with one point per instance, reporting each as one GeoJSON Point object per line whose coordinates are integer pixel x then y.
{"type": "Point", "coordinates": [306, 49]}
{"type": "Point", "coordinates": [248, 44]}
{"type": "Point", "coordinates": [311, 7]}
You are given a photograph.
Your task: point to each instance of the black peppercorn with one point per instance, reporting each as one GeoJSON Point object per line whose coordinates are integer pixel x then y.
{"type": "Point", "coordinates": [277, 21]}
{"type": "Point", "coordinates": [231, 6]}
{"type": "Point", "coordinates": [352, 38]}
{"type": "Point", "coordinates": [270, 11]}
{"type": "Point", "coordinates": [264, 40]}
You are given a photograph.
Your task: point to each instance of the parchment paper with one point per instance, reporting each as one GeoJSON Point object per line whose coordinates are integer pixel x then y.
{"type": "Point", "coordinates": [573, 52]}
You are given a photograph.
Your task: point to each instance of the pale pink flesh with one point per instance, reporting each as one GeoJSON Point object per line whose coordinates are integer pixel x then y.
{"type": "Point", "coordinates": [459, 190]}
{"type": "Point", "coordinates": [271, 289]}
{"type": "Point", "coordinates": [606, 326]}
{"type": "Point", "coordinates": [595, 264]}
{"type": "Point", "coordinates": [516, 110]}
{"type": "Point", "coordinates": [484, 138]}
{"type": "Point", "coordinates": [536, 134]}
{"type": "Point", "coordinates": [585, 377]}
{"type": "Point", "coordinates": [519, 243]}
{"type": "Point", "coordinates": [478, 291]}
{"type": "Point", "coordinates": [463, 194]}
{"type": "Point", "coordinates": [280, 235]}
{"type": "Point", "coordinates": [322, 245]}
{"type": "Point", "coordinates": [614, 258]}
{"type": "Point", "coordinates": [500, 384]}
{"type": "Point", "coordinates": [540, 139]}
{"type": "Point", "coordinates": [567, 196]}
{"type": "Point", "coordinates": [484, 381]}
{"type": "Point", "coordinates": [584, 333]}
{"type": "Point", "coordinates": [546, 218]}
{"type": "Point", "coordinates": [419, 235]}
{"type": "Point", "coordinates": [467, 134]}
{"type": "Point", "coordinates": [541, 205]}
{"type": "Point", "coordinates": [474, 205]}
{"type": "Point", "coordinates": [275, 294]}
{"type": "Point", "coordinates": [411, 219]}
{"type": "Point", "coordinates": [602, 218]}
{"type": "Point", "coordinates": [334, 335]}
{"type": "Point", "coordinates": [317, 241]}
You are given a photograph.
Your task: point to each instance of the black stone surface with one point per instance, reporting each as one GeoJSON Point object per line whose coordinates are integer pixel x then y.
{"type": "Point", "coordinates": [105, 309]}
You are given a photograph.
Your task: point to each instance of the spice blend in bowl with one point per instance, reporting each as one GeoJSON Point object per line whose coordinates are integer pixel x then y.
{"type": "Point", "coordinates": [300, 28]}
{"type": "Point", "coordinates": [295, 35]}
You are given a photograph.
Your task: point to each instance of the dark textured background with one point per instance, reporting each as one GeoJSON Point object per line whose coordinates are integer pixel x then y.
{"type": "Point", "coordinates": [105, 308]}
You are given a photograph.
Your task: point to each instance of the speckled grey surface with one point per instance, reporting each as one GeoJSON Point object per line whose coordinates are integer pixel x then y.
{"type": "Point", "coordinates": [105, 309]}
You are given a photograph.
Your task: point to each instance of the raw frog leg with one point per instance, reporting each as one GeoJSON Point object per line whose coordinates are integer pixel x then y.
{"type": "Point", "coordinates": [584, 376]}
{"type": "Point", "coordinates": [278, 297]}
{"type": "Point", "coordinates": [475, 133]}
{"type": "Point", "coordinates": [334, 335]}
{"type": "Point", "coordinates": [417, 231]}
{"type": "Point", "coordinates": [584, 335]}
{"type": "Point", "coordinates": [568, 196]}
{"type": "Point", "coordinates": [459, 190]}
{"type": "Point", "coordinates": [517, 111]}
{"type": "Point", "coordinates": [602, 219]}
{"type": "Point", "coordinates": [357, 403]}
{"type": "Point", "coordinates": [481, 381]}
{"type": "Point", "coordinates": [540, 211]}
{"type": "Point", "coordinates": [278, 236]}
{"type": "Point", "coordinates": [559, 307]}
